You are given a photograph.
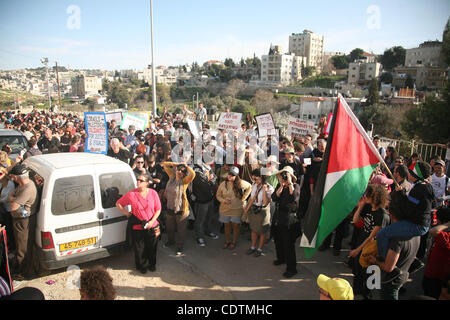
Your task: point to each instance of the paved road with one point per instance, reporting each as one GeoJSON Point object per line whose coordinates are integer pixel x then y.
{"type": "Point", "coordinates": [212, 273]}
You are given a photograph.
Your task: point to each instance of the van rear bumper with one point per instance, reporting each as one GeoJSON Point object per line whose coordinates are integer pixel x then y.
{"type": "Point", "coordinates": [51, 262]}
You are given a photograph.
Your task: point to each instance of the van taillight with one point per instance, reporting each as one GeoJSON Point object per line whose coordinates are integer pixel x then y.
{"type": "Point", "coordinates": [47, 240]}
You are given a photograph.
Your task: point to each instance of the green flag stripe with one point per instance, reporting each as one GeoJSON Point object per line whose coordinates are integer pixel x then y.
{"type": "Point", "coordinates": [340, 201]}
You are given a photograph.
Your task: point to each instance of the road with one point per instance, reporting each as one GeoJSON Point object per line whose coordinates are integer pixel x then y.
{"type": "Point", "coordinates": [211, 273]}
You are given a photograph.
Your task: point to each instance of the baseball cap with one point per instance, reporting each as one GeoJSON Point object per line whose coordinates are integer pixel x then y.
{"type": "Point", "coordinates": [18, 170]}
{"type": "Point", "coordinates": [338, 288]}
{"type": "Point", "coordinates": [289, 150]}
{"type": "Point", "coordinates": [441, 162]}
{"type": "Point", "coordinates": [382, 179]}
{"type": "Point", "coordinates": [131, 127]}
{"type": "Point", "coordinates": [234, 171]}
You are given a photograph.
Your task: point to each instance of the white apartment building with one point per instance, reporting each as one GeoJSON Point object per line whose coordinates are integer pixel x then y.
{"type": "Point", "coordinates": [428, 54]}
{"type": "Point", "coordinates": [309, 45]}
{"type": "Point", "coordinates": [362, 72]}
{"type": "Point", "coordinates": [85, 87]}
{"type": "Point", "coordinates": [162, 75]}
{"type": "Point", "coordinates": [283, 69]}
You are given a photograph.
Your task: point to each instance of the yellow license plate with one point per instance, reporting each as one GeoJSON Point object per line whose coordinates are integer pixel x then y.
{"type": "Point", "coordinates": [77, 244]}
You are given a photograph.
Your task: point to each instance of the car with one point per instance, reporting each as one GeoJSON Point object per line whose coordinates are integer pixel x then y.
{"type": "Point", "coordinates": [15, 139]}
{"type": "Point", "coordinates": [77, 220]}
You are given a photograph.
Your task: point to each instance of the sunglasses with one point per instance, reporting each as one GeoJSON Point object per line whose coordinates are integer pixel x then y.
{"type": "Point", "coordinates": [140, 180]}
{"type": "Point", "coordinates": [139, 161]}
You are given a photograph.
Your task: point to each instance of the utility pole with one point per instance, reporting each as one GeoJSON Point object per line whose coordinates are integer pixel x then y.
{"type": "Point", "coordinates": [153, 64]}
{"type": "Point", "coordinates": [59, 91]}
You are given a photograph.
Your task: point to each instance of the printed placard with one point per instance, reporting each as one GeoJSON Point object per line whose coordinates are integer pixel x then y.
{"type": "Point", "coordinates": [96, 129]}
{"type": "Point", "coordinates": [229, 121]}
{"type": "Point", "coordinates": [143, 115]}
{"type": "Point", "coordinates": [299, 128]}
{"type": "Point", "coordinates": [129, 119]}
{"type": "Point", "coordinates": [265, 124]}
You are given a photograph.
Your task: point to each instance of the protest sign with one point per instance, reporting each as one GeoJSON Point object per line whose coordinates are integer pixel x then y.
{"type": "Point", "coordinates": [143, 115]}
{"type": "Point", "coordinates": [195, 127]}
{"type": "Point", "coordinates": [114, 116]}
{"type": "Point", "coordinates": [299, 128]}
{"type": "Point", "coordinates": [265, 124]}
{"type": "Point", "coordinates": [229, 121]}
{"type": "Point", "coordinates": [129, 119]}
{"type": "Point", "coordinates": [96, 129]}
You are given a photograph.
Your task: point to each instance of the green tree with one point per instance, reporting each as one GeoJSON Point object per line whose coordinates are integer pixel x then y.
{"type": "Point", "coordinates": [446, 43]}
{"type": "Point", "coordinates": [372, 99]}
{"type": "Point", "coordinates": [379, 116]}
{"type": "Point", "coordinates": [386, 77]}
{"type": "Point", "coordinates": [409, 82]}
{"type": "Point", "coordinates": [393, 57]}
{"type": "Point", "coordinates": [118, 94]}
{"type": "Point", "coordinates": [340, 62]}
{"type": "Point", "coordinates": [355, 54]}
{"type": "Point", "coordinates": [308, 71]}
{"type": "Point", "coordinates": [229, 63]}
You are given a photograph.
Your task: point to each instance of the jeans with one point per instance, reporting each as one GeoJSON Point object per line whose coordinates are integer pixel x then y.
{"type": "Point", "coordinates": [389, 291]}
{"type": "Point", "coordinates": [401, 229]}
{"type": "Point", "coordinates": [206, 219]}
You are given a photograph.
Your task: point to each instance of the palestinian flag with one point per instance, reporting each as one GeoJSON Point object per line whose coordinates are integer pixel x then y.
{"type": "Point", "coordinates": [350, 158]}
{"type": "Point", "coordinates": [414, 169]}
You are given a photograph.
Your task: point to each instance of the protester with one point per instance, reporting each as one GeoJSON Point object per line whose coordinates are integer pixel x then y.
{"type": "Point", "coordinates": [257, 211]}
{"type": "Point", "coordinates": [180, 176]}
{"type": "Point", "coordinates": [7, 186]}
{"type": "Point", "coordinates": [231, 194]}
{"type": "Point", "coordinates": [286, 226]}
{"type": "Point", "coordinates": [143, 219]}
{"type": "Point", "coordinates": [440, 183]}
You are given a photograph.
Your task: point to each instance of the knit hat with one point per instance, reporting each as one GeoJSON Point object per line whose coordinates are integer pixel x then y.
{"type": "Point", "coordinates": [338, 288]}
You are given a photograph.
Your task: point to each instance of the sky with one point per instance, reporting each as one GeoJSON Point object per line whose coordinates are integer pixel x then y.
{"type": "Point", "coordinates": [116, 34]}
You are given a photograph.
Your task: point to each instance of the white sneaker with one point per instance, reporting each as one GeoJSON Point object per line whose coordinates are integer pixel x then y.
{"type": "Point", "coordinates": [201, 242]}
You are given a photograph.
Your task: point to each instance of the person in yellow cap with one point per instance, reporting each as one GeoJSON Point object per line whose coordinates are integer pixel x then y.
{"type": "Point", "coordinates": [334, 288]}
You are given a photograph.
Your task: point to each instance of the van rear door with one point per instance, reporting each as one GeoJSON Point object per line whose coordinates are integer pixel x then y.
{"type": "Point", "coordinates": [75, 222]}
{"type": "Point", "coordinates": [113, 185]}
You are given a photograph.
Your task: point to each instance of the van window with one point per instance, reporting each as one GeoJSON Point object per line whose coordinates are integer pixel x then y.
{"type": "Point", "coordinates": [113, 186]}
{"type": "Point", "coordinates": [73, 195]}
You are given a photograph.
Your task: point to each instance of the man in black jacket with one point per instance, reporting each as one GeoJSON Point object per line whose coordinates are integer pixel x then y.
{"type": "Point", "coordinates": [204, 188]}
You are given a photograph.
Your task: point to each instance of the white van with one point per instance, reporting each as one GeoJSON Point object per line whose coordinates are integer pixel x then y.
{"type": "Point", "coordinates": [77, 220]}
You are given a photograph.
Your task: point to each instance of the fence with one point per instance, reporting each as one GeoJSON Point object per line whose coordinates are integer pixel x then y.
{"type": "Point", "coordinates": [407, 148]}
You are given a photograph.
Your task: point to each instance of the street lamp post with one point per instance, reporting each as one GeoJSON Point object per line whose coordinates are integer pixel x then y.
{"type": "Point", "coordinates": [153, 63]}
{"type": "Point", "coordinates": [44, 61]}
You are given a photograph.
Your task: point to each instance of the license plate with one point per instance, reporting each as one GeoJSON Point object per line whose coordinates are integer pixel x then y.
{"type": "Point", "coordinates": [77, 244]}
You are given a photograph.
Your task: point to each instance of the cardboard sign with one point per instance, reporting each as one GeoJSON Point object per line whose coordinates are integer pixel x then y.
{"type": "Point", "coordinates": [229, 121]}
{"type": "Point", "coordinates": [265, 124]}
{"type": "Point", "coordinates": [96, 129]}
{"type": "Point", "coordinates": [114, 116]}
{"type": "Point", "coordinates": [328, 127]}
{"type": "Point", "coordinates": [129, 119]}
{"type": "Point", "coordinates": [299, 128]}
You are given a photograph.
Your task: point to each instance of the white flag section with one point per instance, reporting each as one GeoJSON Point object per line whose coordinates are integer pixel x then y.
{"type": "Point", "coordinates": [129, 119]}
{"type": "Point", "coordinates": [265, 124]}
{"type": "Point", "coordinates": [229, 121]}
{"type": "Point", "coordinates": [299, 128]}
{"type": "Point", "coordinates": [97, 141]}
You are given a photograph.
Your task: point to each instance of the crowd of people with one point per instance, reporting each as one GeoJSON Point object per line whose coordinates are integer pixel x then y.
{"type": "Point", "coordinates": [267, 195]}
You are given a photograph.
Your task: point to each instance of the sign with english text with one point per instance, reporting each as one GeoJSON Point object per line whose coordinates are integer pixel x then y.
{"type": "Point", "coordinates": [96, 129]}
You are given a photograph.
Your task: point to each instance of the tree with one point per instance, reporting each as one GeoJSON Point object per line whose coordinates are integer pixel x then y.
{"type": "Point", "coordinates": [339, 62]}
{"type": "Point", "coordinates": [118, 94]}
{"type": "Point", "coordinates": [355, 54]}
{"type": "Point", "coordinates": [393, 57]}
{"type": "Point", "coordinates": [446, 43]}
{"type": "Point", "coordinates": [229, 63]}
{"type": "Point", "coordinates": [379, 116]}
{"type": "Point", "coordinates": [372, 99]}
{"type": "Point", "coordinates": [386, 77]}
{"type": "Point", "coordinates": [307, 71]}
{"type": "Point", "coordinates": [409, 82]}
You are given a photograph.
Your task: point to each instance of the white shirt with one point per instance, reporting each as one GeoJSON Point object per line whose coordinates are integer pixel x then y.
{"type": "Point", "coordinates": [260, 199]}
{"type": "Point", "coordinates": [439, 186]}
{"type": "Point", "coordinates": [5, 193]}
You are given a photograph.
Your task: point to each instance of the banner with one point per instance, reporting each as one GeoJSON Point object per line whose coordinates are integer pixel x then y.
{"type": "Point", "coordinates": [299, 128]}
{"type": "Point", "coordinates": [265, 124]}
{"type": "Point", "coordinates": [229, 121]}
{"type": "Point", "coordinates": [129, 119]}
{"type": "Point", "coordinates": [97, 131]}
{"type": "Point", "coordinates": [114, 116]}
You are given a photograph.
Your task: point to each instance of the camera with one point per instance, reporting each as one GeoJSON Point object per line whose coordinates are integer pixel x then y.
{"type": "Point", "coordinates": [144, 224]}
{"type": "Point", "coordinates": [284, 175]}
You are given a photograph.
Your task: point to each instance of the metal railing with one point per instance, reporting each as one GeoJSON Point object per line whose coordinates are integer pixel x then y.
{"type": "Point", "coordinates": [407, 148]}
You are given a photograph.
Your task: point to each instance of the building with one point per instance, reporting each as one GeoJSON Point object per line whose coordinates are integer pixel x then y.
{"type": "Point", "coordinates": [85, 87]}
{"type": "Point", "coordinates": [327, 63]}
{"type": "Point", "coordinates": [424, 77]}
{"type": "Point", "coordinates": [309, 45]}
{"type": "Point", "coordinates": [282, 69]}
{"type": "Point", "coordinates": [362, 72]}
{"type": "Point", "coordinates": [427, 54]}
